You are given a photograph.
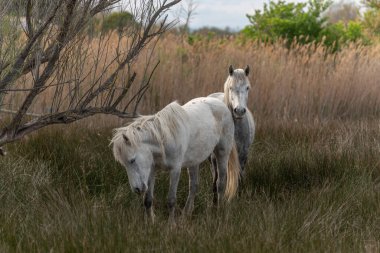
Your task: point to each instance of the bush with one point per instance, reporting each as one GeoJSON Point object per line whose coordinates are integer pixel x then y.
{"type": "Point", "coordinates": [303, 23]}
{"type": "Point", "coordinates": [354, 31]}
{"type": "Point", "coordinates": [117, 21]}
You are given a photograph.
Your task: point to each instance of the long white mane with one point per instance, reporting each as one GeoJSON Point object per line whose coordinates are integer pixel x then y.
{"type": "Point", "coordinates": [162, 126]}
{"type": "Point", "coordinates": [238, 76]}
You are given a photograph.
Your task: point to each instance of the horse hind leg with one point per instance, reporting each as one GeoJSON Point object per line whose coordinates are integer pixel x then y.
{"type": "Point", "coordinates": [222, 155]}
{"type": "Point", "coordinates": [214, 171]}
{"type": "Point", "coordinates": [193, 187]}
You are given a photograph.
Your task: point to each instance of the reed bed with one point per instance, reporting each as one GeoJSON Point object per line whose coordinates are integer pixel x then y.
{"type": "Point", "coordinates": [303, 83]}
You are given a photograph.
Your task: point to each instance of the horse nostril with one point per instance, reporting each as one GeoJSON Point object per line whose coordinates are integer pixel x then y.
{"type": "Point", "coordinates": [235, 110]}
{"type": "Point", "coordinates": [137, 190]}
{"type": "Point", "coordinates": [243, 110]}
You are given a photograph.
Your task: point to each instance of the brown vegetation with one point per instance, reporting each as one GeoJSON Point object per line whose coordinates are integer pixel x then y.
{"type": "Point", "coordinates": [301, 84]}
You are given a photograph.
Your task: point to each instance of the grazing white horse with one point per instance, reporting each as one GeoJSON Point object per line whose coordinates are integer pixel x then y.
{"type": "Point", "coordinates": [235, 96]}
{"type": "Point", "coordinates": [176, 137]}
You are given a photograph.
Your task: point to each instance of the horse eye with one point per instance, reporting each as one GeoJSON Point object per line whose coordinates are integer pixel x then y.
{"type": "Point", "coordinates": [247, 88]}
{"type": "Point", "coordinates": [132, 161]}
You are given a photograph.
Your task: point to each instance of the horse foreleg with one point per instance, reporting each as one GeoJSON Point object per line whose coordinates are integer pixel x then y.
{"type": "Point", "coordinates": [193, 187]}
{"type": "Point", "coordinates": [243, 156]}
{"type": "Point", "coordinates": [174, 179]}
{"type": "Point", "coordinates": [148, 198]}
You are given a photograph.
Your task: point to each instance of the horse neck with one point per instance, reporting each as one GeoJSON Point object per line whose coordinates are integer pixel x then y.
{"type": "Point", "coordinates": [156, 148]}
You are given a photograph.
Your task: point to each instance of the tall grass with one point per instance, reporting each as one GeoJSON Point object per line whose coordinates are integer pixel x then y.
{"type": "Point", "coordinates": [303, 83]}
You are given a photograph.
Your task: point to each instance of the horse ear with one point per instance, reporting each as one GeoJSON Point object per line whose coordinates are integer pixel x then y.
{"type": "Point", "coordinates": [246, 70]}
{"type": "Point", "coordinates": [231, 70]}
{"type": "Point", "coordinates": [126, 139]}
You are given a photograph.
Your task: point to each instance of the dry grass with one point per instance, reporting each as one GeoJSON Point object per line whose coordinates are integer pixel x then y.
{"type": "Point", "coordinates": [301, 84]}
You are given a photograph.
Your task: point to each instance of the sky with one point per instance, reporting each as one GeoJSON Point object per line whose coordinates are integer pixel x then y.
{"type": "Point", "coordinates": [223, 13]}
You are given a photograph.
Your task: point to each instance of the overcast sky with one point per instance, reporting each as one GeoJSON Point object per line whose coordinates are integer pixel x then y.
{"type": "Point", "coordinates": [223, 13]}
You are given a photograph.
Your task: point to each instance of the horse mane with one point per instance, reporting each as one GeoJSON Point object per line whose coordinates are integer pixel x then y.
{"type": "Point", "coordinates": [162, 126]}
{"type": "Point", "coordinates": [237, 76]}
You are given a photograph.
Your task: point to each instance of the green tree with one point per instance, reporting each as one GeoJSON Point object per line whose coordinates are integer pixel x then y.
{"type": "Point", "coordinates": [289, 21]}
{"type": "Point", "coordinates": [302, 23]}
{"type": "Point", "coordinates": [117, 21]}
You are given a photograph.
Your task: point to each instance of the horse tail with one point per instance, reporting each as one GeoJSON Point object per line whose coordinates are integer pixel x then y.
{"type": "Point", "coordinates": [233, 173]}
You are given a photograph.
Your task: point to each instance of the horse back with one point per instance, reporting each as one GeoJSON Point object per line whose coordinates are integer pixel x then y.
{"type": "Point", "coordinates": [209, 111]}
{"type": "Point", "coordinates": [209, 122]}
{"type": "Point", "coordinates": [217, 95]}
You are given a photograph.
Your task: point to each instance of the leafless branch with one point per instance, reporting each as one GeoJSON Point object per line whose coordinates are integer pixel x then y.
{"type": "Point", "coordinates": [77, 74]}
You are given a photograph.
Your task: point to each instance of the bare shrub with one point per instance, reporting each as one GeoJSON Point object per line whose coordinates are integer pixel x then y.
{"type": "Point", "coordinates": [47, 56]}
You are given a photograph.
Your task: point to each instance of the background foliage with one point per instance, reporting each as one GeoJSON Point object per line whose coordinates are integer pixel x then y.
{"type": "Point", "coordinates": [302, 23]}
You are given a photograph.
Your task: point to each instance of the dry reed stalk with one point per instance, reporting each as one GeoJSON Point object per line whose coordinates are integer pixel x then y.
{"type": "Point", "coordinates": [300, 84]}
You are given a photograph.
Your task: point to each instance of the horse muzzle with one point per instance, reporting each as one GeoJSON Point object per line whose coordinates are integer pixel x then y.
{"type": "Point", "coordinates": [140, 190]}
{"type": "Point", "coordinates": [239, 112]}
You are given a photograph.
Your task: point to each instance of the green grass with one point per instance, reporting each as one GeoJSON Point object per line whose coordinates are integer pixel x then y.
{"type": "Point", "coordinates": [310, 187]}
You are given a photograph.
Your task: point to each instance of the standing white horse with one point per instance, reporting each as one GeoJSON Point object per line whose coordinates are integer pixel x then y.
{"type": "Point", "coordinates": [176, 137]}
{"type": "Point", "coordinates": [235, 96]}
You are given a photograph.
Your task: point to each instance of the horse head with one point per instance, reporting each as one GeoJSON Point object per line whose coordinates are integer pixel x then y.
{"type": "Point", "coordinates": [137, 159]}
{"type": "Point", "coordinates": [236, 90]}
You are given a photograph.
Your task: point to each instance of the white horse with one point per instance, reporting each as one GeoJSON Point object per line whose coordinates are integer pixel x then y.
{"type": "Point", "coordinates": [176, 137]}
{"type": "Point", "coordinates": [235, 96]}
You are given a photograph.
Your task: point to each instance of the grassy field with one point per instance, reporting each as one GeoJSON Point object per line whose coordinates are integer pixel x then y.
{"type": "Point", "coordinates": [313, 175]}
{"type": "Point", "coordinates": [310, 187]}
